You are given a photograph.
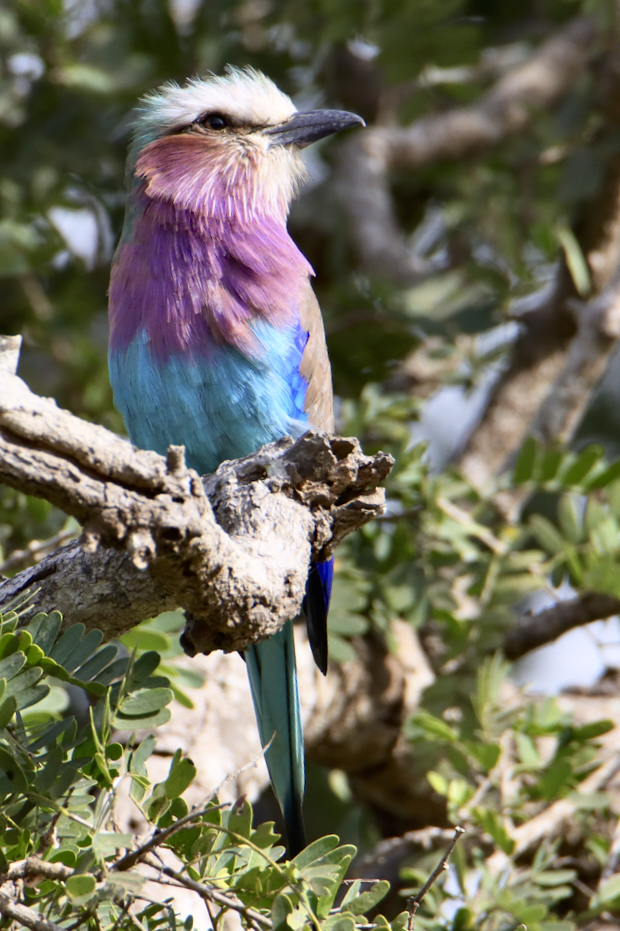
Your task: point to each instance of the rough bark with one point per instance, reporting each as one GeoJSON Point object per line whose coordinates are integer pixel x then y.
{"type": "Point", "coordinates": [232, 549]}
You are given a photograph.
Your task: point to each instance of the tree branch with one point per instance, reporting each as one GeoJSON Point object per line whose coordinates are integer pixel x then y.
{"type": "Point", "coordinates": [565, 342]}
{"type": "Point", "coordinates": [232, 548]}
{"type": "Point", "coordinates": [505, 110]}
{"type": "Point", "coordinates": [536, 630]}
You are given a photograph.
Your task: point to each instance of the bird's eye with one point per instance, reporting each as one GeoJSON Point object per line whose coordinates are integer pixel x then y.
{"type": "Point", "coordinates": [215, 121]}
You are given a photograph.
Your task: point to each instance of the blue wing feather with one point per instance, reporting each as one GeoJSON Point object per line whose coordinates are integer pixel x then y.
{"type": "Point", "coordinates": [316, 606]}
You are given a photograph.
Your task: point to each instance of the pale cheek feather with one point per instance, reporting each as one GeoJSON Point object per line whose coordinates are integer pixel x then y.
{"type": "Point", "coordinates": [228, 178]}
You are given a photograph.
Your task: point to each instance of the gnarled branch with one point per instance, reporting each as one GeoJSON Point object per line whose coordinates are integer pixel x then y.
{"type": "Point", "coordinates": [505, 110]}
{"type": "Point", "coordinates": [232, 549]}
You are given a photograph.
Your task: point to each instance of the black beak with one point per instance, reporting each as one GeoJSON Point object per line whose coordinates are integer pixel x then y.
{"type": "Point", "coordinates": [311, 125]}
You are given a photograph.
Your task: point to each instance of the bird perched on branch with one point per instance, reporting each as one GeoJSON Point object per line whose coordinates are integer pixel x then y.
{"type": "Point", "coordinates": [216, 338]}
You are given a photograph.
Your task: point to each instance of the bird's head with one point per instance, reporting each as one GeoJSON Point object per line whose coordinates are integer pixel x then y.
{"type": "Point", "coordinates": [226, 146]}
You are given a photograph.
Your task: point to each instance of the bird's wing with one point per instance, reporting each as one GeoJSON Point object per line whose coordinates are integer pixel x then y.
{"type": "Point", "coordinates": [319, 405]}
{"type": "Point", "coordinates": [315, 368]}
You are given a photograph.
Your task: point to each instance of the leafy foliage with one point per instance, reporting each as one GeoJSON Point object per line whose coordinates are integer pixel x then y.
{"type": "Point", "coordinates": [59, 785]}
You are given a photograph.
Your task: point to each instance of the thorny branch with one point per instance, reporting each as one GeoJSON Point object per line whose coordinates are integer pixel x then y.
{"type": "Point", "coordinates": [232, 549]}
{"type": "Point", "coordinates": [414, 901]}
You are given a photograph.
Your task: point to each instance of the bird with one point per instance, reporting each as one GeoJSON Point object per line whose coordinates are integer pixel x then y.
{"type": "Point", "coordinates": [216, 338]}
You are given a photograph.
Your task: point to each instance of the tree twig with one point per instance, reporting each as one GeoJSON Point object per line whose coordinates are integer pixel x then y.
{"type": "Point", "coordinates": [220, 898]}
{"type": "Point", "coordinates": [414, 901]}
{"type": "Point", "coordinates": [35, 551]}
{"type": "Point", "coordinates": [161, 836]}
{"type": "Point", "coordinates": [24, 915]}
{"type": "Point", "coordinates": [33, 868]}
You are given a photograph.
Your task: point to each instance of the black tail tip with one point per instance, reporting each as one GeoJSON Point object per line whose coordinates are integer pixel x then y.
{"type": "Point", "coordinates": [295, 831]}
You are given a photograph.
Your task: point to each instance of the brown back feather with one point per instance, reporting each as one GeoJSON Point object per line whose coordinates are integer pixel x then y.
{"type": "Point", "coordinates": [315, 367]}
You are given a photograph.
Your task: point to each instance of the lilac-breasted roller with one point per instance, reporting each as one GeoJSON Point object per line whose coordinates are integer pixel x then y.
{"type": "Point", "coordinates": [216, 337]}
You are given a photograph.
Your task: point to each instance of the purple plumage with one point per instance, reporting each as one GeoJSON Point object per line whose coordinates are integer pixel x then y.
{"type": "Point", "coordinates": [191, 273]}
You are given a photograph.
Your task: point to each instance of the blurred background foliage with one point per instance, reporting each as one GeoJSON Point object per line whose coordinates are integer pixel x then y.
{"type": "Point", "coordinates": [492, 227]}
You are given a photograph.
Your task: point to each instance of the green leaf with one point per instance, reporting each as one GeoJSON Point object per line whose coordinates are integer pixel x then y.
{"type": "Point", "coordinates": [280, 910]}
{"type": "Point", "coordinates": [485, 754]}
{"type": "Point", "coordinates": [604, 478]}
{"type": "Point", "coordinates": [341, 650]}
{"type": "Point", "coordinates": [528, 754]}
{"type": "Point", "coordinates": [438, 782]}
{"type": "Point", "coordinates": [610, 889]}
{"type": "Point", "coordinates": [80, 886]}
{"type": "Point", "coordinates": [491, 823]}
{"type": "Point", "coordinates": [181, 776]}
{"type": "Point", "coordinates": [32, 696]}
{"type": "Point", "coordinates": [546, 534]}
{"type": "Point", "coordinates": [569, 519]}
{"type": "Point", "coordinates": [362, 903]}
{"type": "Point", "coordinates": [339, 923]}
{"type": "Point", "coordinates": [554, 779]}
{"type": "Point", "coordinates": [11, 773]}
{"type": "Point", "coordinates": [97, 663]}
{"type": "Point", "coordinates": [46, 630]}
{"type": "Point", "coordinates": [83, 650]}
{"type": "Point", "coordinates": [433, 726]}
{"type": "Point", "coordinates": [67, 643]}
{"type": "Point", "coordinates": [581, 466]}
{"type": "Point", "coordinates": [590, 801]}
{"type": "Point", "coordinates": [524, 465]}
{"type": "Point", "coordinates": [51, 734]}
{"type": "Point", "coordinates": [463, 919]}
{"type": "Point", "coordinates": [51, 668]}
{"type": "Point", "coordinates": [141, 755]}
{"type": "Point", "coordinates": [575, 261]}
{"type": "Point", "coordinates": [7, 710]}
{"type": "Point", "coordinates": [590, 731]}
{"type": "Point", "coordinates": [548, 467]}
{"type": "Point", "coordinates": [10, 666]}
{"type": "Point", "coordinates": [314, 851]}
{"type": "Point", "coordinates": [529, 914]}
{"type": "Point", "coordinates": [24, 680]}
{"type": "Point", "coordinates": [115, 671]}
{"type": "Point", "coordinates": [145, 639]}
{"type": "Point", "coordinates": [9, 644]}
{"type": "Point", "coordinates": [34, 655]}
{"type": "Point", "coordinates": [145, 701]}
{"type": "Point", "coordinates": [552, 878]}
{"type": "Point", "coordinates": [145, 665]}
{"type": "Point", "coordinates": [134, 722]}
